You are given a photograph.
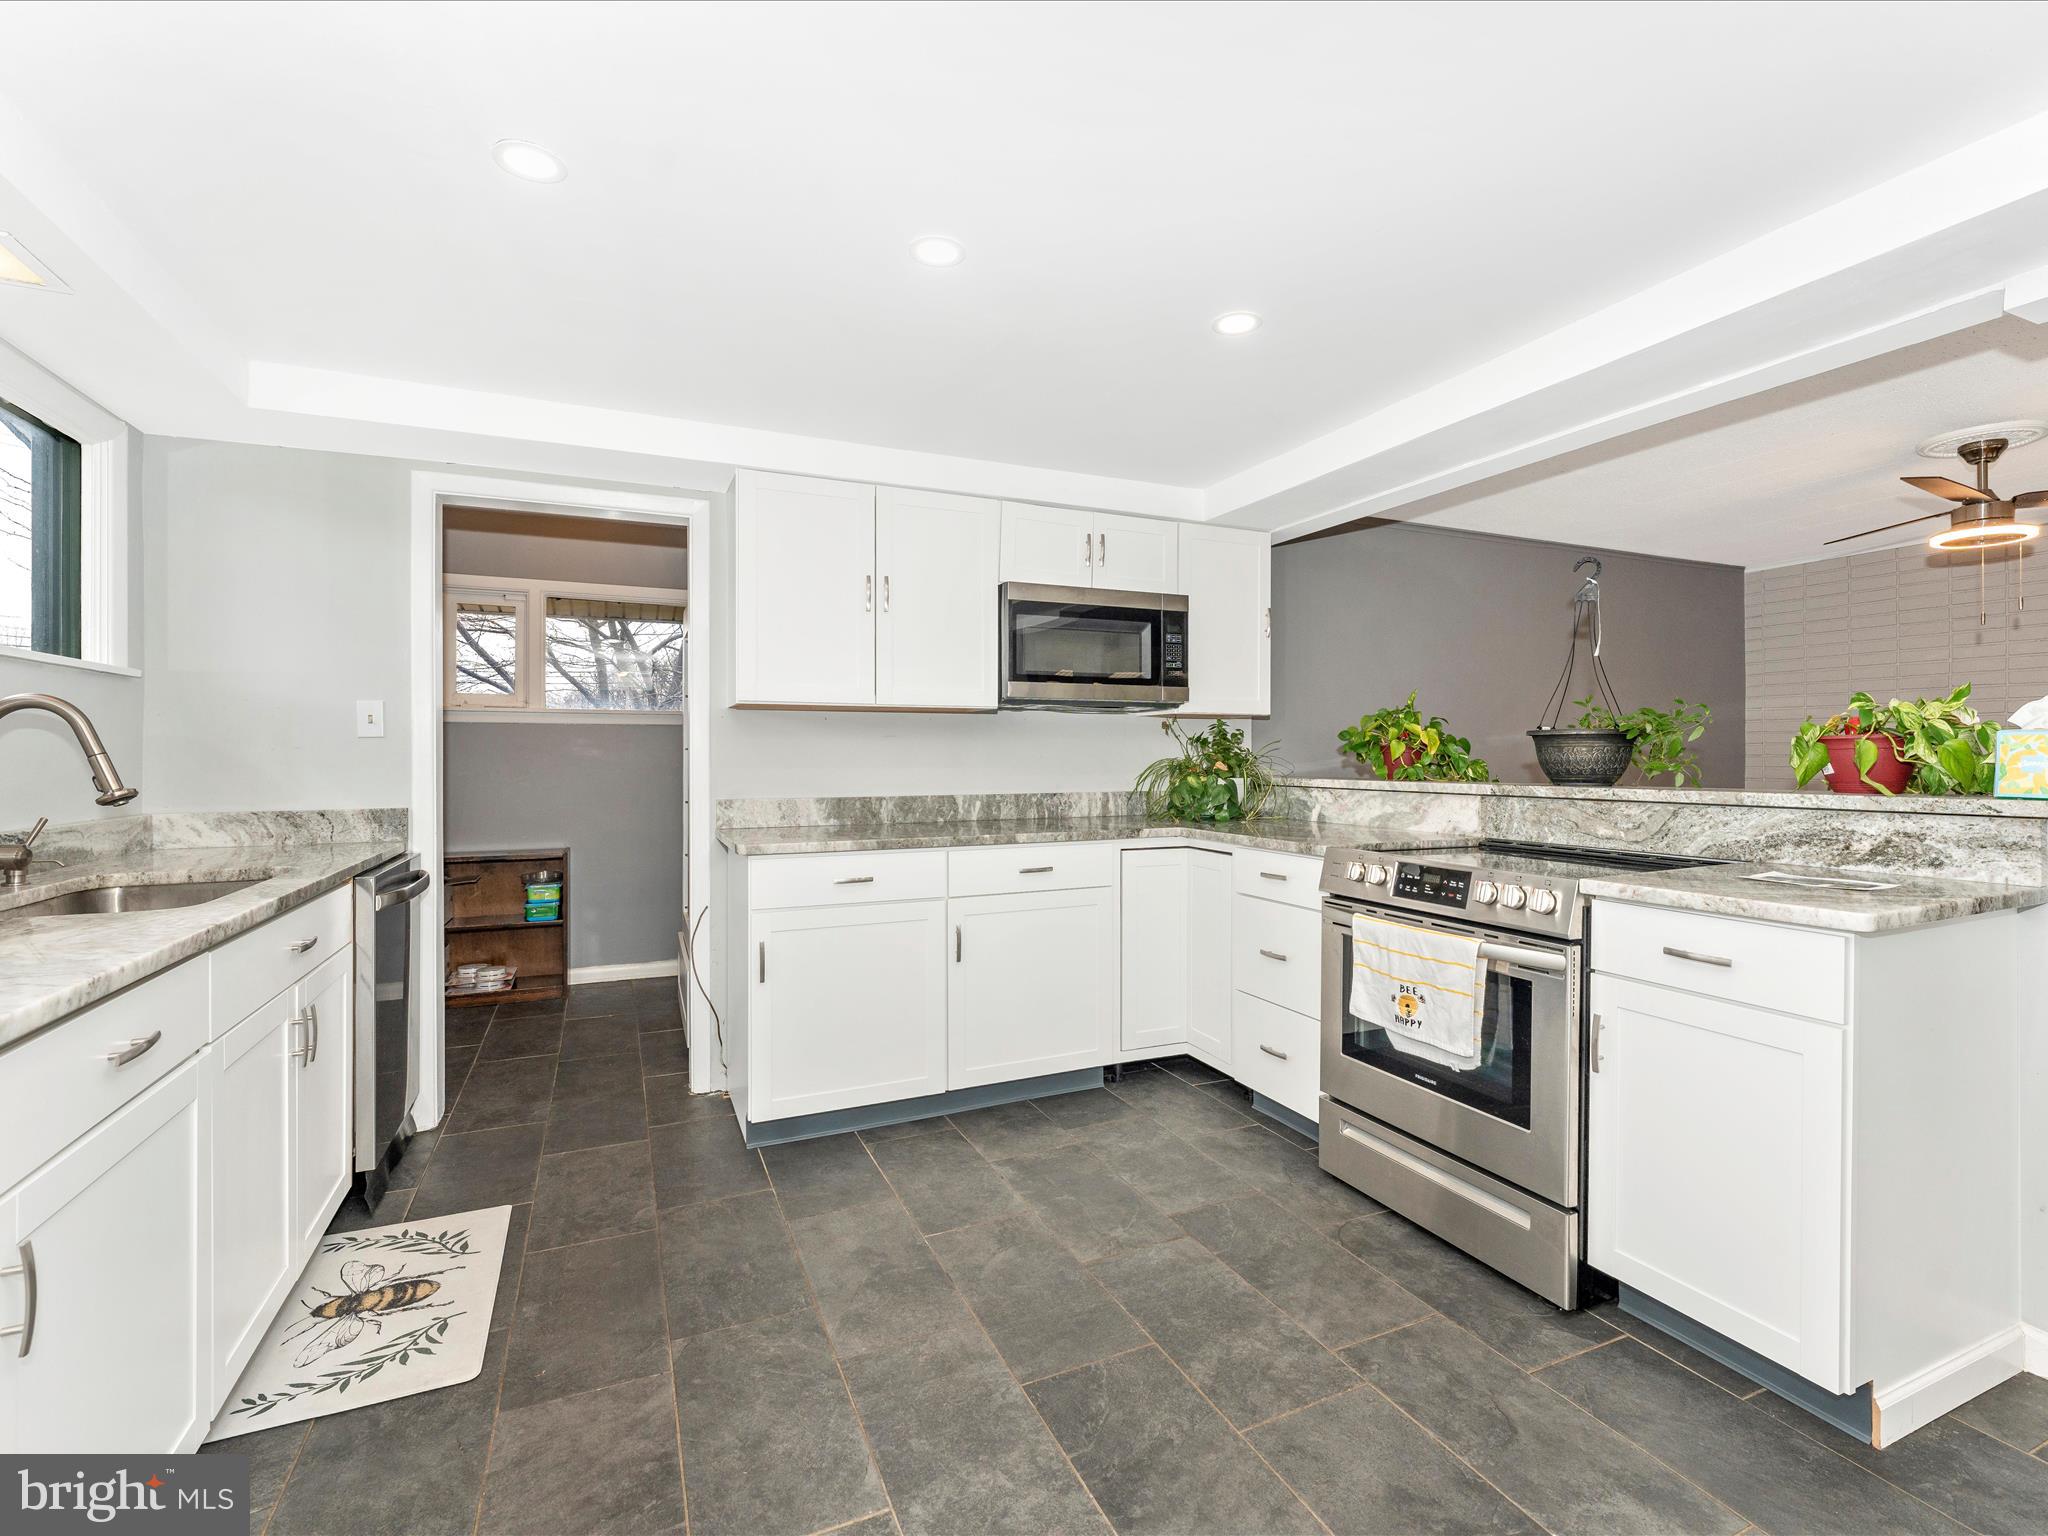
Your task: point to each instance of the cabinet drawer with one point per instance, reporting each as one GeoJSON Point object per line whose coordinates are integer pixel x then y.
{"type": "Point", "coordinates": [1030, 867]}
{"type": "Point", "coordinates": [1279, 1053]}
{"type": "Point", "coordinates": [250, 970]}
{"type": "Point", "coordinates": [1275, 953]}
{"type": "Point", "coordinates": [1288, 877]}
{"type": "Point", "coordinates": [841, 879]}
{"type": "Point", "coordinates": [1791, 970]}
{"type": "Point", "coordinates": [60, 1084]}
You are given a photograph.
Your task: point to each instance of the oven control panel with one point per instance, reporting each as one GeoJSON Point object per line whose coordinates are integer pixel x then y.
{"type": "Point", "coordinates": [1437, 886]}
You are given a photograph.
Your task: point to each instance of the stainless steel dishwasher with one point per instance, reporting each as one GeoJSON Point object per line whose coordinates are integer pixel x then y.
{"type": "Point", "coordinates": [387, 1076]}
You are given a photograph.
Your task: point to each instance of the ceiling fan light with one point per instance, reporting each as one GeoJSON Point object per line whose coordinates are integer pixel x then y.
{"type": "Point", "coordinates": [1985, 535]}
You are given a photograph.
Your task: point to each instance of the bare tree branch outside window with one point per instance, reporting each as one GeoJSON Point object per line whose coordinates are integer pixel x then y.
{"type": "Point", "coordinates": [603, 653]}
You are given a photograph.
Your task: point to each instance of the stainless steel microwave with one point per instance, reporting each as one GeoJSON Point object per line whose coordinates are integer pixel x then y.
{"type": "Point", "coordinates": [1087, 648]}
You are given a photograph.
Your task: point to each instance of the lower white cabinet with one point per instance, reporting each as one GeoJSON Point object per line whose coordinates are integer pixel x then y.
{"type": "Point", "coordinates": [846, 1006]}
{"type": "Point", "coordinates": [1034, 984]}
{"type": "Point", "coordinates": [1714, 1167]}
{"type": "Point", "coordinates": [1176, 951]}
{"type": "Point", "coordinates": [322, 1132]}
{"type": "Point", "coordinates": [1210, 1026]}
{"type": "Point", "coordinates": [1279, 1054]}
{"type": "Point", "coordinates": [250, 1074]}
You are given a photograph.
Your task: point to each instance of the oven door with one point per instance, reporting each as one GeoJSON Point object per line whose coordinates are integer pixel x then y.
{"type": "Point", "coordinates": [1516, 1115]}
{"type": "Point", "coordinates": [1077, 645]}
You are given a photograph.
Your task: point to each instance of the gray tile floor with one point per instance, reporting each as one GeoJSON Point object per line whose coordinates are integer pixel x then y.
{"type": "Point", "coordinates": [1140, 1308]}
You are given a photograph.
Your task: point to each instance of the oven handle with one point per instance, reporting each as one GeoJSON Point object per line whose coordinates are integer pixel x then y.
{"type": "Point", "coordinates": [1532, 959]}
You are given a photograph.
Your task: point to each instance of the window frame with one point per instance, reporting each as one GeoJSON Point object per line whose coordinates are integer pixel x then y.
{"type": "Point", "coordinates": [529, 702]}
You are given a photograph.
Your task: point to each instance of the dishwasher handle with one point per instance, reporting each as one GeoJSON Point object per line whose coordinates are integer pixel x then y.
{"type": "Point", "coordinates": [411, 889]}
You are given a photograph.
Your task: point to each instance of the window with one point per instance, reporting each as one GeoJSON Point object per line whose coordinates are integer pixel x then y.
{"type": "Point", "coordinates": [40, 537]}
{"type": "Point", "coordinates": [565, 649]}
{"type": "Point", "coordinates": [605, 653]}
{"type": "Point", "coordinates": [483, 631]}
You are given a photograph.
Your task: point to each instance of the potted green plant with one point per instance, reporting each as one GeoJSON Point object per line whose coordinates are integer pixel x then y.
{"type": "Point", "coordinates": [1213, 777]}
{"type": "Point", "coordinates": [1919, 746]}
{"type": "Point", "coordinates": [1600, 745]}
{"type": "Point", "coordinates": [1397, 743]}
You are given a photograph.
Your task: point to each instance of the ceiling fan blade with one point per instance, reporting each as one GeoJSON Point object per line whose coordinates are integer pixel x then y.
{"type": "Point", "coordinates": [1887, 528]}
{"type": "Point", "coordinates": [2031, 499]}
{"type": "Point", "coordinates": [1941, 485]}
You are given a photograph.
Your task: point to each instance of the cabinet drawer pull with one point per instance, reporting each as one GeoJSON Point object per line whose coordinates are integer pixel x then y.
{"type": "Point", "coordinates": [26, 1328]}
{"type": "Point", "coordinates": [867, 602]}
{"type": "Point", "coordinates": [764, 960]}
{"type": "Point", "coordinates": [1036, 869]}
{"type": "Point", "coordinates": [1697, 959]}
{"type": "Point", "coordinates": [956, 943]}
{"type": "Point", "coordinates": [1280, 1055]}
{"type": "Point", "coordinates": [312, 1034]}
{"type": "Point", "coordinates": [304, 1049]}
{"type": "Point", "coordinates": [856, 880]}
{"type": "Point", "coordinates": [1274, 954]}
{"type": "Point", "coordinates": [127, 1051]}
{"type": "Point", "coordinates": [1272, 874]}
{"type": "Point", "coordinates": [1593, 1046]}
{"type": "Point", "coordinates": [303, 945]}
{"type": "Point", "coordinates": [885, 594]}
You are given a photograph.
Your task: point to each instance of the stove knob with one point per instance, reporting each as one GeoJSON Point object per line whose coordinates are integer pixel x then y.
{"type": "Point", "coordinates": [1354, 871]}
{"type": "Point", "coordinates": [1485, 893]}
{"type": "Point", "coordinates": [1376, 874]}
{"type": "Point", "coordinates": [1512, 896]}
{"type": "Point", "coordinates": [1543, 901]}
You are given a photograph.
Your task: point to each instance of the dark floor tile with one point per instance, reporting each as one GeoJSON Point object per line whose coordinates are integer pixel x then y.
{"type": "Point", "coordinates": [600, 1037]}
{"type": "Point", "coordinates": [1984, 1483]}
{"type": "Point", "coordinates": [881, 1133]}
{"type": "Point", "coordinates": [510, 1038]}
{"type": "Point", "coordinates": [426, 1453]}
{"type": "Point", "coordinates": [667, 1050]}
{"type": "Point", "coordinates": [827, 1173]}
{"type": "Point", "coordinates": [1764, 1470]}
{"type": "Point", "coordinates": [702, 1159]}
{"type": "Point", "coordinates": [769, 1437]}
{"type": "Point", "coordinates": [504, 1093]}
{"type": "Point", "coordinates": [1610, 1313]}
{"type": "Point", "coordinates": [2015, 1411]}
{"type": "Point", "coordinates": [599, 999]}
{"type": "Point", "coordinates": [589, 1316]}
{"type": "Point", "coordinates": [726, 1262]}
{"type": "Point", "coordinates": [1288, 1133]}
{"type": "Point", "coordinates": [1247, 1355]}
{"type": "Point", "coordinates": [271, 1453]}
{"type": "Point", "coordinates": [1569, 1471]}
{"type": "Point", "coordinates": [655, 989]}
{"type": "Point", "coordinates": [1310, 1278]}
{"type": "Point", "coordinates": [1190, 1071]}
{"type": "Point", "coordinates": [465, 1028]}
{"type": "Point", "coordinates": [419, 1150]}
{"type": "Point", "coordinates": [604, 1192]}
{"type": "Point", "coordinates": [530, 1008]}
{"type": "Point", "coordinates": [352, 1215]}
{"type": "Point", "coordinates": [878, 1285]}
{"type": "Point", "coordinates": [1095, 1213]}
{"type": "Point", "coordinates": [1367, 1470]}
{"type": "Point", "coordinates": [657, 1019]}
{"type": "Point", "coordinates": [1520, 1324]}
{"type": "Point", "coordinates": [670, 1102]}
{"type": "Point", "coordinates": [960, 1447]}
{"type": "Point", "coordinates": [1288, 1173]}
{"type": "Point", "coordinates": [1091, 1106]}
{"type": "Point", "coordinates": [1188, 1110]}
{"type": "Point", "coordinates": [603, 1462]}
{"type": "Point", "coordinates": [505, 1306]}
{"type": "Point", "coordinates": [1159, 1165]}
{"type": "Point", "coordinates": [1044, 1311]}
{"type": "Point", "coordinates": [473, 1170]}
{"type": "Point", "coordinates": [943, 1181]}
{"type": "Point", "coordinates": [599, 1101]}
{"type": "Point", "coordinates": [1010, 1130]}
{"type": "Point", "coordinates": [1158, 1458]}
{"type": "Point", "coordinates": [455, 1067]}
{"type": "Point", "coordinates": [883, 1524]}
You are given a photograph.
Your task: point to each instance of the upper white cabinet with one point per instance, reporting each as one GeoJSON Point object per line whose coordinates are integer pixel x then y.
{"type": "Point", "coordinates": [804, 591]}
{"type": "Point", "coordinates": [1066, 547]}
{"type": "Point", "coordinates": [1227, 574]}
{"type": "Point", "coordinates": [936, 627]}
{"type": "Point", "coordinates": [1137, 554]}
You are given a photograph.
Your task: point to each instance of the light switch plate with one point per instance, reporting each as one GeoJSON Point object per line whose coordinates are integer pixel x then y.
{"type": "Point", "coordinates": [369, 717]}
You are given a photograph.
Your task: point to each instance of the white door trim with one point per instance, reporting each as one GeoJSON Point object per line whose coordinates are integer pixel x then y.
{"type": "Point", "coordinates": [431, 489]}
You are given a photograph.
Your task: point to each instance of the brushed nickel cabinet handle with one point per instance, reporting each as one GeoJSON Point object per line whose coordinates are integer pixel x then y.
{"type": "Point", "coordinates": [312, 1034]}
{"type": "Point", "coordinates": [1271, 874]}
{"type": "Point", "coordinates": [1036, 869]}
{"type": "Point", "coordinates": [304, 1049]}
{"type": "Point", "coordinates": [1593, 1046]}
{"type": "Point", "coordinates": [1088, 549]}
{"type": "Point", "coordinates": [764, 959]}
{"type": "Point", "coordinates": [1269, 623]}
{"type": "Point", "coordinates": [1273, 954]}
{"type": "Point", "coordinates": [26, 1268]}
{"type": "Point", "coordinates": [867, 602]}
{"type": "Point", "coordinates": [302, 945]}
{"type": "Point", "coordinates": [1697, 959]}
{"type": "Point", "coordinates": [956, 943]}
{"type": "Point", "coordinates": [1281, 1055]}
{"type": "Point", "coordinates": [856, 880]}
{"type": "Point", "coordinates": [1102, 547]}
{"type": "Point", "coordinates": [885, 594]}
{"type": "Point", "coordinates": [120, 1055]}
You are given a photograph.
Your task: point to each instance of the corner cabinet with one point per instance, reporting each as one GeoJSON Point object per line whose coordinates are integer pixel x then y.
{"type": "Point", "coordinates": [1227, 574]}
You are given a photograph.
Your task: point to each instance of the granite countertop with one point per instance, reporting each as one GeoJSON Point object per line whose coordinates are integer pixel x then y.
{"type": "Point", "coordinates": [1812, 799]}
{"type": "Point", "coordinates": [1276, 836]}
{"type": "Point", "coordinates": [51, 967]}
{"type": "Point", "coordinates": [1733, 890]}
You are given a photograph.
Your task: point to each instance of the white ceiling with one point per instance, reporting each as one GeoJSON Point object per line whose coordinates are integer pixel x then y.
{"type": "Point", "coordinates": [1403, 191]}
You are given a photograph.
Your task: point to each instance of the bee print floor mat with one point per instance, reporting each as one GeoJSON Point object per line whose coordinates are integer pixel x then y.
{"type": "Point", "coordinates": [380, 1313]}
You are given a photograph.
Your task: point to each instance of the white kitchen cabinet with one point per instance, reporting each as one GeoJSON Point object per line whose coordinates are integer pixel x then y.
{"type": "Point", "coordinates": [803, 591]}
{"type": "Point", "coordinates": [1279, 1054]}
{"type": "Point", "coordinates": [322, 1094]}
{"type": "Point", "coordinates": [936, 623]}
{"type": "Point", "coordinates": [1227, 574]}
{"type": "Point", "coordinates": [250, 1077]}
{"type": "Point", "coordinates": [1034, 984]}
{"type": "Point", "coordinates": [1156, 933]}
{"type": "Point", "coordinates": [117, 1228]}
{"type": "Point", "coordinates": [1137, 554]}
{"type": "Point", "coordinates": [1210, 1026]}
{"type": "Point", "coordinates": [1049, 546]}
{"type": "Point", "coordinates": [846, 1006]}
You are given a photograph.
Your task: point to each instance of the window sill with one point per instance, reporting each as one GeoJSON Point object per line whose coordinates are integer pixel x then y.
{"type": "Point", "coordinates": [561, 717]}
{"type": "Point", "coordinates": [15, 653]}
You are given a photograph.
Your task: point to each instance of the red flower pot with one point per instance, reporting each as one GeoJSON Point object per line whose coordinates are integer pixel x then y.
{"type": "Point", "coordinates": [1890, 770]}
{"type": "Point", "coordinates": [1398, 760]}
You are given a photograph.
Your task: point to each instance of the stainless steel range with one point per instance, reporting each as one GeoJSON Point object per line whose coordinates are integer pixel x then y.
{"type": "Point", "coordinates": [1489, 1159]}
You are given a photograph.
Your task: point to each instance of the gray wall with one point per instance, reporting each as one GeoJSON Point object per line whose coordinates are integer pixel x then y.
{"type": "Point", "coordinates": [1894, 623]}
{"type": "Point", "coordinates": [1478, 625]}
{"type": "Point", "coordinates": [544, 546]}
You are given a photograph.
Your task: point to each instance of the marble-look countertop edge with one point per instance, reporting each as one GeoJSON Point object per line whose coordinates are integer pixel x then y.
{"type": "Point", "coordinates": [1275, 836]}
{"type": "Point", "coordinates": [1649, 794]}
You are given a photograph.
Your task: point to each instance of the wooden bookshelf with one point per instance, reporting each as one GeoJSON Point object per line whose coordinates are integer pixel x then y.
{"type": "Point", "coordinates": [486, 922]}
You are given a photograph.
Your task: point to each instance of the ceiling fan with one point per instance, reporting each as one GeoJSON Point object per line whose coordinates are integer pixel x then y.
{"type": "Point", "coordinates": [1981, 518]}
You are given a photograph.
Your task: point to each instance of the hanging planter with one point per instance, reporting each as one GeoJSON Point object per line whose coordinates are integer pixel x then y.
{"type": "Point", "coordinates": [1590, 752]}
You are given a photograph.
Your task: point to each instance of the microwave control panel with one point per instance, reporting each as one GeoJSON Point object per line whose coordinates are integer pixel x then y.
{"type": "Point", "coordinates": [1438, 887]}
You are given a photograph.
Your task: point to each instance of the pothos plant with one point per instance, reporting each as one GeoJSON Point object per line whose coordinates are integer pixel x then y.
{"type": "Point", "coordinates": [1947, 744]}
{"type": "Point", "coordinates": [1661, 740]}
{"type": "Point", "coordinates": [1213, 777]}
{"type": "Point", "coordinates": [1397, 743]}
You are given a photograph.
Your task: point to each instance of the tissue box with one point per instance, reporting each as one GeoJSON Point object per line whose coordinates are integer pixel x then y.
{"type": "Point", "coordinates": [2022, 765]}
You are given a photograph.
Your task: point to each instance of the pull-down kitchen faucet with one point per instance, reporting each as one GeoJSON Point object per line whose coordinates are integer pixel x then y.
{"type": "Point", "coordinates": [106, 778]}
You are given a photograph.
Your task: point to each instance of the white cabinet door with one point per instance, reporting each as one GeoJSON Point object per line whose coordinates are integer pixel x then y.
{"type": "Point", "coordinates": [1209, 954]}
{"type": "Point", "coordinates": [936, 620]}
{"type": "Point", "coordinates": [1034, 986]}
{"type": "Point", "coordinates": [1137, 554]}
{"type": "Point", "coordinates": [1714, 1168]}
{"type": "Point", "coordinates": [1155, 948]}
{"type": "Point", "coordinates": [117, 1227]}
{"type": "Point", "coordinates": [846, 1006]}
{"type": "Point", "coordinates": [803, 591]}
{"type": "Point", "coordinates": [1227, 574]}
{"type": "Point", "coordinates": [1052, 546]}
{"type": "Point", "coordinates": [322, 1131]}
{"type": "Point", "coordinates": [248, 1096]}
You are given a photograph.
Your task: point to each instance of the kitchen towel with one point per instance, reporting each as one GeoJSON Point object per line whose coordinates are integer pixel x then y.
{"type": "Point", "coordinates": [1424, 987]}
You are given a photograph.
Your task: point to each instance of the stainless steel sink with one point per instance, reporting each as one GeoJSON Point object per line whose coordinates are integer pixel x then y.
{"type": "Point", "coordinates": [132, 898]}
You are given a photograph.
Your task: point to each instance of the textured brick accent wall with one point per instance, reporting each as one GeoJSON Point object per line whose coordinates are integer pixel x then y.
{"type": "Point", "coordinates": [1897, 622]}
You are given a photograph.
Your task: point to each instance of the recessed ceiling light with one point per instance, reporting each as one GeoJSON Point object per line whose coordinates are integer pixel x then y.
{"type": "Point", "coordinates": [18, 266]}
{"type": "Point", "coordinates": [1239, 322]}
{"type": "Point", "coordinates": [939, 251]}
{"type": "Point", "coordinates": [529, 162]}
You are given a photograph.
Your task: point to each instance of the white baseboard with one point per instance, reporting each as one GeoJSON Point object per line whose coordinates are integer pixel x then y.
{"type": "Point", "coordinates": [1926, 1395]}
{"type": "Point", "coordinates": [581, 975]}
{"type": "Point", "coordinates": [2036, 1343]}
